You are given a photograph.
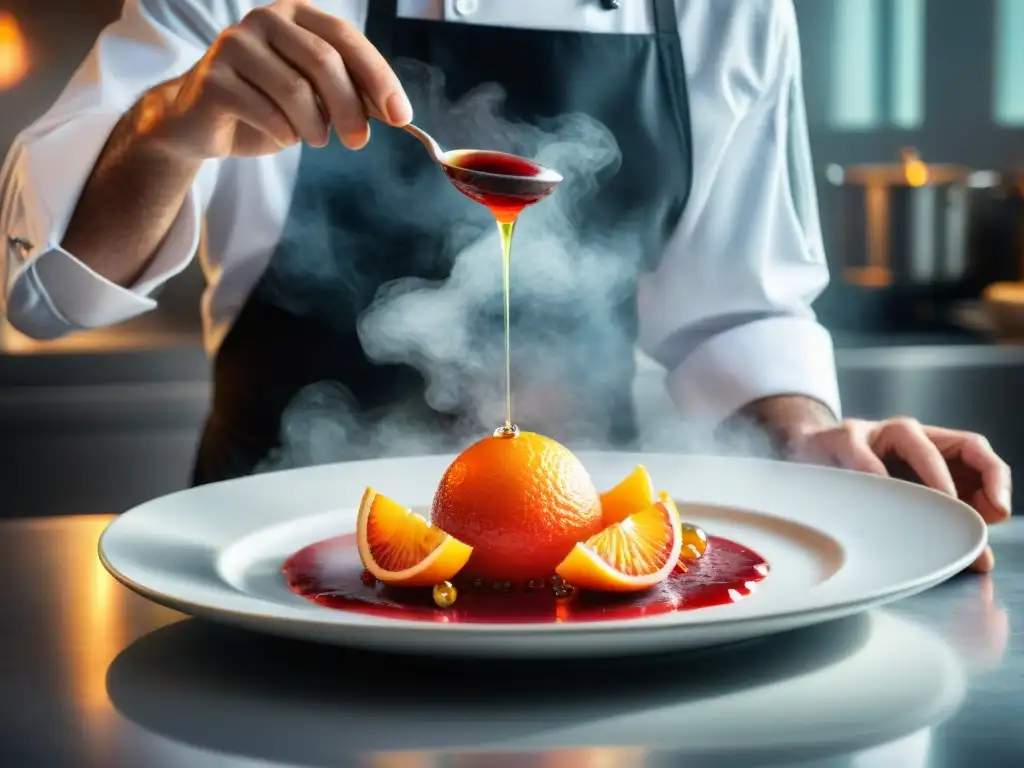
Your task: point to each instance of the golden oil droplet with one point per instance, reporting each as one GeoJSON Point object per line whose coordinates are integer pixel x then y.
{"type": "Point", "coordinates": [689, 552]}
{"type": "Point", "coordinates": [507, 430]}
{"type": "Point", "coordinates": [695, 542]}
{"type": "Point", "coordinates": [445, 594]}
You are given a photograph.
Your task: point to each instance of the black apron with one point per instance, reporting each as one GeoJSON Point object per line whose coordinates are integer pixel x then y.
{"type": "Point", "coordinates": [318, 365]}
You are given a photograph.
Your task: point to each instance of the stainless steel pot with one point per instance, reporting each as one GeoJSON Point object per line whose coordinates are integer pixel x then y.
{"type": "Point", "coordinates": [902, 224]}
{"type": "Point", "coordinates": [916, 225]}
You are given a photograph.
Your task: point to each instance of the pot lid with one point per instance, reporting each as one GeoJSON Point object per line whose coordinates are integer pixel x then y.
{"type": "Point", "coordinates": [910, 171]}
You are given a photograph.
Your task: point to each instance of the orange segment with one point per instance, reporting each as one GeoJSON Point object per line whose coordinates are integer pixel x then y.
{"type": "Point", "coordinates": [628, 556]}
{"type": "Point", "coordinates": [635, 492]}
{"type": "Point", "coordinates": [400, 548]}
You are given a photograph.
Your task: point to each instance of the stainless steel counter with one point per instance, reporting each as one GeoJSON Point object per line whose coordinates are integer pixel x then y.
{"type": "Point", "coordinates": [92, 675]}
{"type": "Point", "coordinates": [97, 432]}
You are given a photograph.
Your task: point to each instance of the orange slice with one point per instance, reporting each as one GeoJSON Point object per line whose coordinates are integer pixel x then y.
{"type": "Point", "coordinates": [628, 556]}
{"type": "Point", "coordinates": [400, 548]}
{"type": "Point", "coordinates": [635, 492]}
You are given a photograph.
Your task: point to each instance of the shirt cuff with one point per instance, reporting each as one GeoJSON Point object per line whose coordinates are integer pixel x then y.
{"type": "Point", "coordinates": [84, 299]}
{"type": "Point", "coordinates": [765, 358]}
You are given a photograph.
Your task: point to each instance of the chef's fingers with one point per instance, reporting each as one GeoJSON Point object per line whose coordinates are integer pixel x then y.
{"type": "Point", "coordinates": [257, 64]}
{"type": "Point", "coordinates": [847, 445]}
{"type": "Point", "coordinates": [976, 452]}
{"type": "Point", "coordinates": [371, 73]}
{"type": "Point", "coordinates": [321, 64]}
{"type": "Point", "coordinates": [986, 561]}
{"type": "Point", "coordinates": [242, 101]}
{"type": "Point", "coordinates": [990, 513]}
{"type": "Point", "coordinates": [907, 439]}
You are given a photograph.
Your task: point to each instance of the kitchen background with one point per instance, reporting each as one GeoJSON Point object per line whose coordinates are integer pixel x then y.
{"type": "Point", "coordinates": [101, 421]}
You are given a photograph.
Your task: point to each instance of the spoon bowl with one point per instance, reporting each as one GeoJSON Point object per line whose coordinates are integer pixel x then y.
{"type": "Point", "coordinates": [499, 180]}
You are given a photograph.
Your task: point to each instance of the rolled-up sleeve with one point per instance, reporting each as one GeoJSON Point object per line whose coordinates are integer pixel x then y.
{"type": "Point", "coordinates": [49, 292]}
{"type": "Point", "coordinates": [728, 310]}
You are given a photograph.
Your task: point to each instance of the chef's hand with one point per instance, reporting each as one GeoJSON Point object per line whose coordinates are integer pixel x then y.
{"type": "Point", "coordinates": [961, 464]}
{"type": "Point", "coordinates": [287, 72]}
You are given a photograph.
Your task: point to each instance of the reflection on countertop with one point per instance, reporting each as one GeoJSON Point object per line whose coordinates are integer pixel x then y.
{"type": "Point", "coordinates": [779, 700]}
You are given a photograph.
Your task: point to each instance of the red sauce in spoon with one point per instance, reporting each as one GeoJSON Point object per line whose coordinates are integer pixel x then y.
{"type": "Point", "coordinates": [512, 182]}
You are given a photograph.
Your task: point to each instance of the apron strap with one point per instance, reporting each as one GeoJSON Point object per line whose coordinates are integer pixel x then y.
{"type": "Point", "coordinates": [666, 20]}
{"type": "Point", "coordinates": [673, 70]}
{"type": "Point", "coordinates": [380, 22]}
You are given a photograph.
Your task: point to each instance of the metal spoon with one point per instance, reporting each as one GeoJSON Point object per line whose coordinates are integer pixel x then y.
{"type": "Point", "coordinates": [535, 183]}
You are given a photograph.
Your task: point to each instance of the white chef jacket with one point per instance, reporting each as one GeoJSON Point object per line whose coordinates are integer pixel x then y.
{"type": "Point", "coordinates": [727, 310]}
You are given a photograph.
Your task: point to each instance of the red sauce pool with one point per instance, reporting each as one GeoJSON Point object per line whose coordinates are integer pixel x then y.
{"type": "Point", "coordinates": [329, 573]}
{"type": "Point", "coordinates": [514, 182]}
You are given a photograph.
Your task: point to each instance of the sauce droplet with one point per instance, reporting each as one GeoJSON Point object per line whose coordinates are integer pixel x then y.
{"type": "Point", "coordinates": [445, 594]}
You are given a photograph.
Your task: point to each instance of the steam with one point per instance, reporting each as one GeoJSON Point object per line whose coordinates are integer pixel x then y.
{"type": "Point", "coordinates": [449, 329]}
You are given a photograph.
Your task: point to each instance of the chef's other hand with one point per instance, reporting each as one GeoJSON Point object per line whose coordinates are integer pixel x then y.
{"type": "Point", "coordinates": [961, 464]}
{"type": "Point", "coordinates": [287, 72]}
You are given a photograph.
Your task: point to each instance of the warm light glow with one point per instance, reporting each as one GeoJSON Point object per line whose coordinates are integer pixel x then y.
{"type": "Point", "coordinates": [915, 171]}
{"type": "Point", "coordinates": [868, 277]}
{"type": "Point", "coordinates": [94, 625]}
{"type": "Point", "coordinates": [97, 623]}
{"type": "Point", "coordinates": [1006, 292]}
{"type": "Point", "coordinates": [14, 58]}
{"type": "Point", "coordinates": [594, 757]}
{"type": "Point", "coordinates": [401, 760]}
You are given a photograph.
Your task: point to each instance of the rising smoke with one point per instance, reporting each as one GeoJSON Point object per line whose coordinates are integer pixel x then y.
{"type": "Point", "coordinates": [445, 327]}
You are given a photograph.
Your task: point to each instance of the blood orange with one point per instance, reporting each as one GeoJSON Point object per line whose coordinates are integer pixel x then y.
{"type": "Point", "coordinates": [628, 556]}
{"type": "Point", "coordinates": [400, 548]}
{"type": "Point", "coordinates": [522, 502]}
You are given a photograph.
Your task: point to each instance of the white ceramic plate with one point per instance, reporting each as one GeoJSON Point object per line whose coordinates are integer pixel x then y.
{"type": "Point", "coordinates": [838, 543]}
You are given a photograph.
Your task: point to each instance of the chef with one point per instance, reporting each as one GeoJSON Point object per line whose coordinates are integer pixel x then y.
{"type": "Point", "coordinates": [228, 128]}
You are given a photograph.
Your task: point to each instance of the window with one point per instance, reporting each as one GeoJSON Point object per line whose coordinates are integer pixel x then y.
{"type": "Point", "coordinates": [878, 64]}
{"type": "Point", "coordinates": [1009, 63]}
